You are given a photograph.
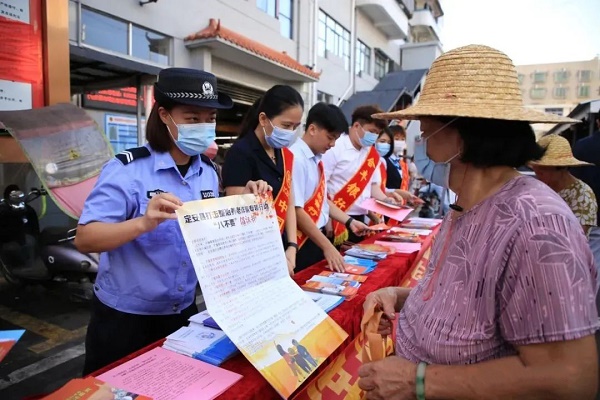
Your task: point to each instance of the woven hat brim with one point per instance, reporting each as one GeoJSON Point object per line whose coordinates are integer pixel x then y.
{"type": "Point", "coordinates": [562, 162]}
{"type": "Point", "coordinates": [476, 111]}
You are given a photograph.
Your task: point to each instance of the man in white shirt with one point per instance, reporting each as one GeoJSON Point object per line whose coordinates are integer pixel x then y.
{"type": "Point", "coordinates": [351, 169]}
{"type": "Point", "coordinates": [324, 124]}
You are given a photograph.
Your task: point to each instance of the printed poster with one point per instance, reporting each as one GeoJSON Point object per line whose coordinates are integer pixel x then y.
{"type": "Point", "coordinates": [238, 255]}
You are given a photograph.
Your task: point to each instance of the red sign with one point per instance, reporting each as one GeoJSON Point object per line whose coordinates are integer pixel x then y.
{"type": "Point", "coordinates": [108, 99]}
{"type": "Point", "coordinates": [21, 47]}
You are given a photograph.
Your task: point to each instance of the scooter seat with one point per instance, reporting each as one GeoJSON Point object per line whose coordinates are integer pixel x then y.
{"type": "Point", "coordinates": [53, 235]}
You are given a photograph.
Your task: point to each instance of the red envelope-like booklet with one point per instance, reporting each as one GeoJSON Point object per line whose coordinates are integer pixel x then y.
{"type": "Point", "coordinates": [92, 389]}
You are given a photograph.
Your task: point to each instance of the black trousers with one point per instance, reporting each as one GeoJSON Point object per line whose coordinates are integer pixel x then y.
{"type": "Point", "coordinates": [113, 334]}
{"type": "Point", "coordinates": [308, 255]}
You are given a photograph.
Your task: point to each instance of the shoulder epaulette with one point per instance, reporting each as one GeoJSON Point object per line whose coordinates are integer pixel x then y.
{"type": "Point", "coordinates": [210, 162]}
{"type": "Point", "coordinates": [131, 155]}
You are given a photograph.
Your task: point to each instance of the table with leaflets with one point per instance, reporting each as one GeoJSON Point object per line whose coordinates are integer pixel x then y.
{"type": "Point", "coordinates": [389, 272]}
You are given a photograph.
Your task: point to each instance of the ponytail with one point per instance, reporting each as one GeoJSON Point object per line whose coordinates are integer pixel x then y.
{"type": "Point", "coordinates": [250, 121]}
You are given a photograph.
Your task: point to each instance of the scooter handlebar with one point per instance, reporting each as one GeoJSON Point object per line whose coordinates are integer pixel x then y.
{"type": "Point", "coordinates": [35, 193]}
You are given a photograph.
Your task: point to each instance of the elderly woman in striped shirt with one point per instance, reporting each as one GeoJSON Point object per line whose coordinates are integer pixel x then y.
{"type": "Point", "coordinates": [506, 308]}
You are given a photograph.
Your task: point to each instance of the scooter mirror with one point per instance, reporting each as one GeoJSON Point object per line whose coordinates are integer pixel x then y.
{"type": "Point", "coordinates": [16, 198]}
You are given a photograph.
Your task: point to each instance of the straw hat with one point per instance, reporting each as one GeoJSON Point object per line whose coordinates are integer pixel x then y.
{"type": "Point", "coordinates": [473, 81]}
{"type": "Point", "coordinates": [558, 153]}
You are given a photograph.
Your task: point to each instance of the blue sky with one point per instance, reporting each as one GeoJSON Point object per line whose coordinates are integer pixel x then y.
{"type": "Point", "coordinates": [529, 31]}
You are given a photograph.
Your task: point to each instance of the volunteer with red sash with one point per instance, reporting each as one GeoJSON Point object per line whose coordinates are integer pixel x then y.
{"type": "Point", "coordinates": [324, 124]}
{"type": "Point", "coordinates": [390, 175]}
{"type": "Point", "coordinates": [399, 157]}
{"type": "Point", "coordinates": [261, 151]}
{"type": "Point", "coordinates": [352, 170]}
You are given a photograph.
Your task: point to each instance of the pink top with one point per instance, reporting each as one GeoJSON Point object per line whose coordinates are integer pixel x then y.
{"type": "Point", "coordinates": [518, 270]}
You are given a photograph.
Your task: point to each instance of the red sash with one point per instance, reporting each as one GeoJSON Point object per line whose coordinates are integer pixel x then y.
{"type": "Point", "coordinates": [405, 174]}
{"type": "Point", "coordinates": [383, 172]}
{"type": "Point", "coordinates": [347, 195]}
{"type": "Point", "coordinates": [283, 197]}
{"type": "Point", "coordinates": [314, 205]}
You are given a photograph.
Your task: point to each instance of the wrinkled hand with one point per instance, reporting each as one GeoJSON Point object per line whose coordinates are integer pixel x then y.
{"type": "Point", "coordinates": [257, 187]}
{"type": "Point", "coordinates": [161, 207]}
{"type": "Point", "coordinates": [392, 378]}
{"type": "Point", "coordinates": [290, 256]}
{"type": "Point", "coordinates": [335, 261]}
{"type": "Point", "coordinates": [358, 228]}
{"type": "Point", "coordinates": [383, 300]}
{"type": "Point", "coordinates": [409, 197]}
{"type": "Point", "coordinates": [329, 229]}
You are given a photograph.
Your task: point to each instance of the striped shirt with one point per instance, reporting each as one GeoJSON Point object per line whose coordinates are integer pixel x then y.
{"type": "Point", "coordinates": [518, 270]}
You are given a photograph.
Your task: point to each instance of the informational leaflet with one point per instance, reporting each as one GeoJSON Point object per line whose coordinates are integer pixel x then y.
{"type": "Point", "coordinates": [238, 255]}
{"type": "Point", "coordinates": [165, 375]}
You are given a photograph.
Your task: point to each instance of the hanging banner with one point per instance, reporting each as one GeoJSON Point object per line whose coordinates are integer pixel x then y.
{"type": "Point", "coordinates": [21, 47]}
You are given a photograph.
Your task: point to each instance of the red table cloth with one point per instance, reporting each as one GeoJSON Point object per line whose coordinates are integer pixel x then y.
{"type": "Point", "coordinates": [348, 315]}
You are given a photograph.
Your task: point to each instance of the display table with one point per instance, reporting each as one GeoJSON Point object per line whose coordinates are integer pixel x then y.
{"type": "Point", "coordinates": [348, 315]}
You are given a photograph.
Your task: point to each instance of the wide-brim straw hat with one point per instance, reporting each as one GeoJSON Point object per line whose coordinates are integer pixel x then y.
{"type": "Point", "coordinates": [558, 153]}
{"type": "Point", "coordinates": [473, 81]}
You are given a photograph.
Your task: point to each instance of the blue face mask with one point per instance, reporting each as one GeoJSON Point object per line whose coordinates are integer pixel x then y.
{"type": "Point", "coordinates": [383, 148]}
{"type": "Point", "coordinates": [437, 173]}
{"type": "Point", "coordinates": [368, 139]}
{"type": "Point", "coordinates": [194, 139]}
{"type": "Point", "coordinates": [279, 137]}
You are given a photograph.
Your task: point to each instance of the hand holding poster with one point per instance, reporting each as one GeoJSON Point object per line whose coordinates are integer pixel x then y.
{"type": "Point", "coordinates": [238, 256]}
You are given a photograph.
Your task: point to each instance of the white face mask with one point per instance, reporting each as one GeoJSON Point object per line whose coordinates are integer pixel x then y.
{"type": "Point", "coordinates": [399, 147]}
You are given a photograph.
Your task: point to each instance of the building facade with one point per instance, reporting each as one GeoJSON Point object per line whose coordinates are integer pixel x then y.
{"type": "Point", "coordinates": [559, 87]}
{"type": "Point", "coordinates": [326, 49]}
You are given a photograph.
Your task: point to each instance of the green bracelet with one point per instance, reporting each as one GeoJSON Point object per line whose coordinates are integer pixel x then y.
{"type": "Point", "coordinates": [420, 381]}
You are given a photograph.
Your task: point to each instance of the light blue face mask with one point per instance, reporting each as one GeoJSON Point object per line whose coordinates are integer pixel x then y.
{"type": "Point", "coordinates": [279, 137]}
{"type": "Point", "coordinates": [383, 148]}
{"type": "Point", "coordinates": [437, 173]}
{"type": "Point", "coordinates": [194, 139]}
{"type": "Point", "coordinates": [368, 139]}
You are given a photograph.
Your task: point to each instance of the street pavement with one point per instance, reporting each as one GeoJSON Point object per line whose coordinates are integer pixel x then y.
{"type": "Point", "coordinates": [52, 350]}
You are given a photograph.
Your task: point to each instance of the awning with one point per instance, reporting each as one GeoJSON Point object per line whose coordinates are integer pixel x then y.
{"type": "Point", "coordinates": [388, 91]}
{"type": "Point", "coordinates": [239, 49]}
{"type": "Point", "coordinates": [581, 111]}
{"type": "Point", "coordinates": [93, 70]}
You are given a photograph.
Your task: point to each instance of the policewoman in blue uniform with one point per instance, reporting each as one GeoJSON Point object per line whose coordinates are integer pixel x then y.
{"type": "Point", "coordinates": [145, 288]}
{"type": "Point", "coordinates": [261, 152]}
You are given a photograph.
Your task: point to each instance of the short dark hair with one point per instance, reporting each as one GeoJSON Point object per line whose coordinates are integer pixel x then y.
{"type": "Point", "coordinates": [274, 102]}
{"type": "Point", "coordinates": [397, 129]}
{"type": "Point", "coordinates": [363, 115]}
{"type": "Point", "coordinates": [328, 117]}
{"type": "Point", "coordinates": [492, 143]}
{"type": "Point", "coordinates": [387, 131]}
{"type": "Point", "coordinates": [157, 134]}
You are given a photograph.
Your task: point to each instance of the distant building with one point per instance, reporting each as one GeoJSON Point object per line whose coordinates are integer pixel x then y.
{"type": "Point", "coordinates": [559, 87]}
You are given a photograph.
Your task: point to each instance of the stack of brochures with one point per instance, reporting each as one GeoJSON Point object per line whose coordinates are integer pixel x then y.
{"type": "Point", "coordinates": [421, 223]}
{"type": "Point", "coordinates": [358, 266]}
{"type": "Point", "coordinates": [326, 301]}
{"type": "Point", "coordinates": [366, 253]}
{"type": "Point", "coordinates": [339, 287]}
{"type": "Point", "coordinates": [341, 275]}
{"type": "Point", "coordinates": [201, 342]}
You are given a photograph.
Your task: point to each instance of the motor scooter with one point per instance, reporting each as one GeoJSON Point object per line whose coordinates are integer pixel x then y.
{"type": "Point", "coordinates": [47, 257]}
